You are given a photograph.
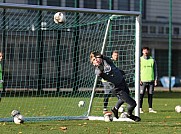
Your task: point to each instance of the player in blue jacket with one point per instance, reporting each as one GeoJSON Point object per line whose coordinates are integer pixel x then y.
{"type": "Point", "coordinates": [105, 68]}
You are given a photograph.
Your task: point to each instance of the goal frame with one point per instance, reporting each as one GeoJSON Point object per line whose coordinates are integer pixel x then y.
{"type": "Point", "coordinates": [96, 11]}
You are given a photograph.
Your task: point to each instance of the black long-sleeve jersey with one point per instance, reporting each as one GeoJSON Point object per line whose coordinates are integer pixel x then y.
{"type": "Point", "coordinates": [108, 71]}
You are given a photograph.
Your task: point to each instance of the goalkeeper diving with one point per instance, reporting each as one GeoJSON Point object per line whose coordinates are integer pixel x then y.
{"type": "Point", "coordinates": [107, 85]}
{"type": "Point", "coordinates": [105, 68]}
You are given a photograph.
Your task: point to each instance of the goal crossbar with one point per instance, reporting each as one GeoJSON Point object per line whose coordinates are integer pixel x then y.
{"type": "Point", "coordinates": [68, 9]}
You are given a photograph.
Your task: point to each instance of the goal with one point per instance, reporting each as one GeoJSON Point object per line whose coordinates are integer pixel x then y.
{"type": "Point", "coordinates": [46, 68]}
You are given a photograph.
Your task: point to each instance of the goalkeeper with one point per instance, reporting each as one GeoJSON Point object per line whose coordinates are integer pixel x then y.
{"type": "Point", "coordinates": [107, 85]}
{"type": "Point", "coordinates": [105, 68]}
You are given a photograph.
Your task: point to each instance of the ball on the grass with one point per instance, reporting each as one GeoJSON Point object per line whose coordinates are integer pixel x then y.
{"type": "Point", "coordinates": [178, 108]}
{"type": "Point", "coordinates": [81, 103]}
{"type": "Point", "coordinates": [108, 117]}
{"type": "Point", "coordinates": [121, 110]}
{"type": "Point", "coordinates": [59, 17]}
{"type": "Point", "coordinates": [14, 113]}
{"type": "Point", "coordinates": [18, 119]}
{"type": "Point", "coordinates": [124, 115]}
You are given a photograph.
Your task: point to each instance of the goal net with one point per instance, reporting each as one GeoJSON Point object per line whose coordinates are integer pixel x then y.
{"type": "Point", "coordinates": [45, 67]}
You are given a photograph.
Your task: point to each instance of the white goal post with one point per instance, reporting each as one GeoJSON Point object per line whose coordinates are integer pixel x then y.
{"type": "Point", "coordinates": [137, 66]}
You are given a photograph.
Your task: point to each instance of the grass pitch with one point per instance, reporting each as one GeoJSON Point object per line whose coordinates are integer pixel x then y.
{"type": "Point", "coordinates": [166, 121]}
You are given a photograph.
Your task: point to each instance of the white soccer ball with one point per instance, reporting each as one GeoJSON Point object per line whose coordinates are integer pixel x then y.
{"type": "Point", "coordinates": [18, 119]}
{"type": "Point", "coordinates": [108, 117]}
{"type": "Point", "coordinates": [178, 108]}
{"type": "Point", "coordinates": [121, 109]}
{"type": "Point", "coordinates": [59, 17]}
{"type": "Point", "coordinates": [124, 115]}
{"type": "Point", "coordinates": [81, 103]}
{"type": "Point", "coordinates": [14, 113]}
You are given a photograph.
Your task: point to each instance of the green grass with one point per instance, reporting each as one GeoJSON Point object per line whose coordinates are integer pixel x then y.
{"type": "Point", "coordinates": [42, 106]}
{"type": "Point", "coordinates": [166, 121]}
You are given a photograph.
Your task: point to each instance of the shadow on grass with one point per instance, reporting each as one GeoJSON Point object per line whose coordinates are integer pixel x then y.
{"type": "Point", "coordinates": [165, 94]}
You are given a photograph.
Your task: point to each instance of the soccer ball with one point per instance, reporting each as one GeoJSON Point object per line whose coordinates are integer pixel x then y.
{"type": "Point", "coordinates": [81, 103]}
{"type": "Point", "coordinates": [59, 17]}
{"type": "Point", "coordinates": [18, 119]}
{"type": "Point", "coordinates": [124, 115]}
{"type": "Point", "coordinates": [121, 109]}
{"type": "Point", "coordinates": [178, 108]}
{"type": "Point", "coordinates": [108, 117]}
{"type": "Point", "coordinates": [14, 113]}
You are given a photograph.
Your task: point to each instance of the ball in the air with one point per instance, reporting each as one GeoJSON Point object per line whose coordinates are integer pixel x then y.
{"type": "Point", "coordinates": [18, 119]}
{"type": "Point", "coordinates": [59, 17]}
{"type": "Point", "coordinates": [81, 103]}
{"type": "Point", "coordinates": [178, 108]}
